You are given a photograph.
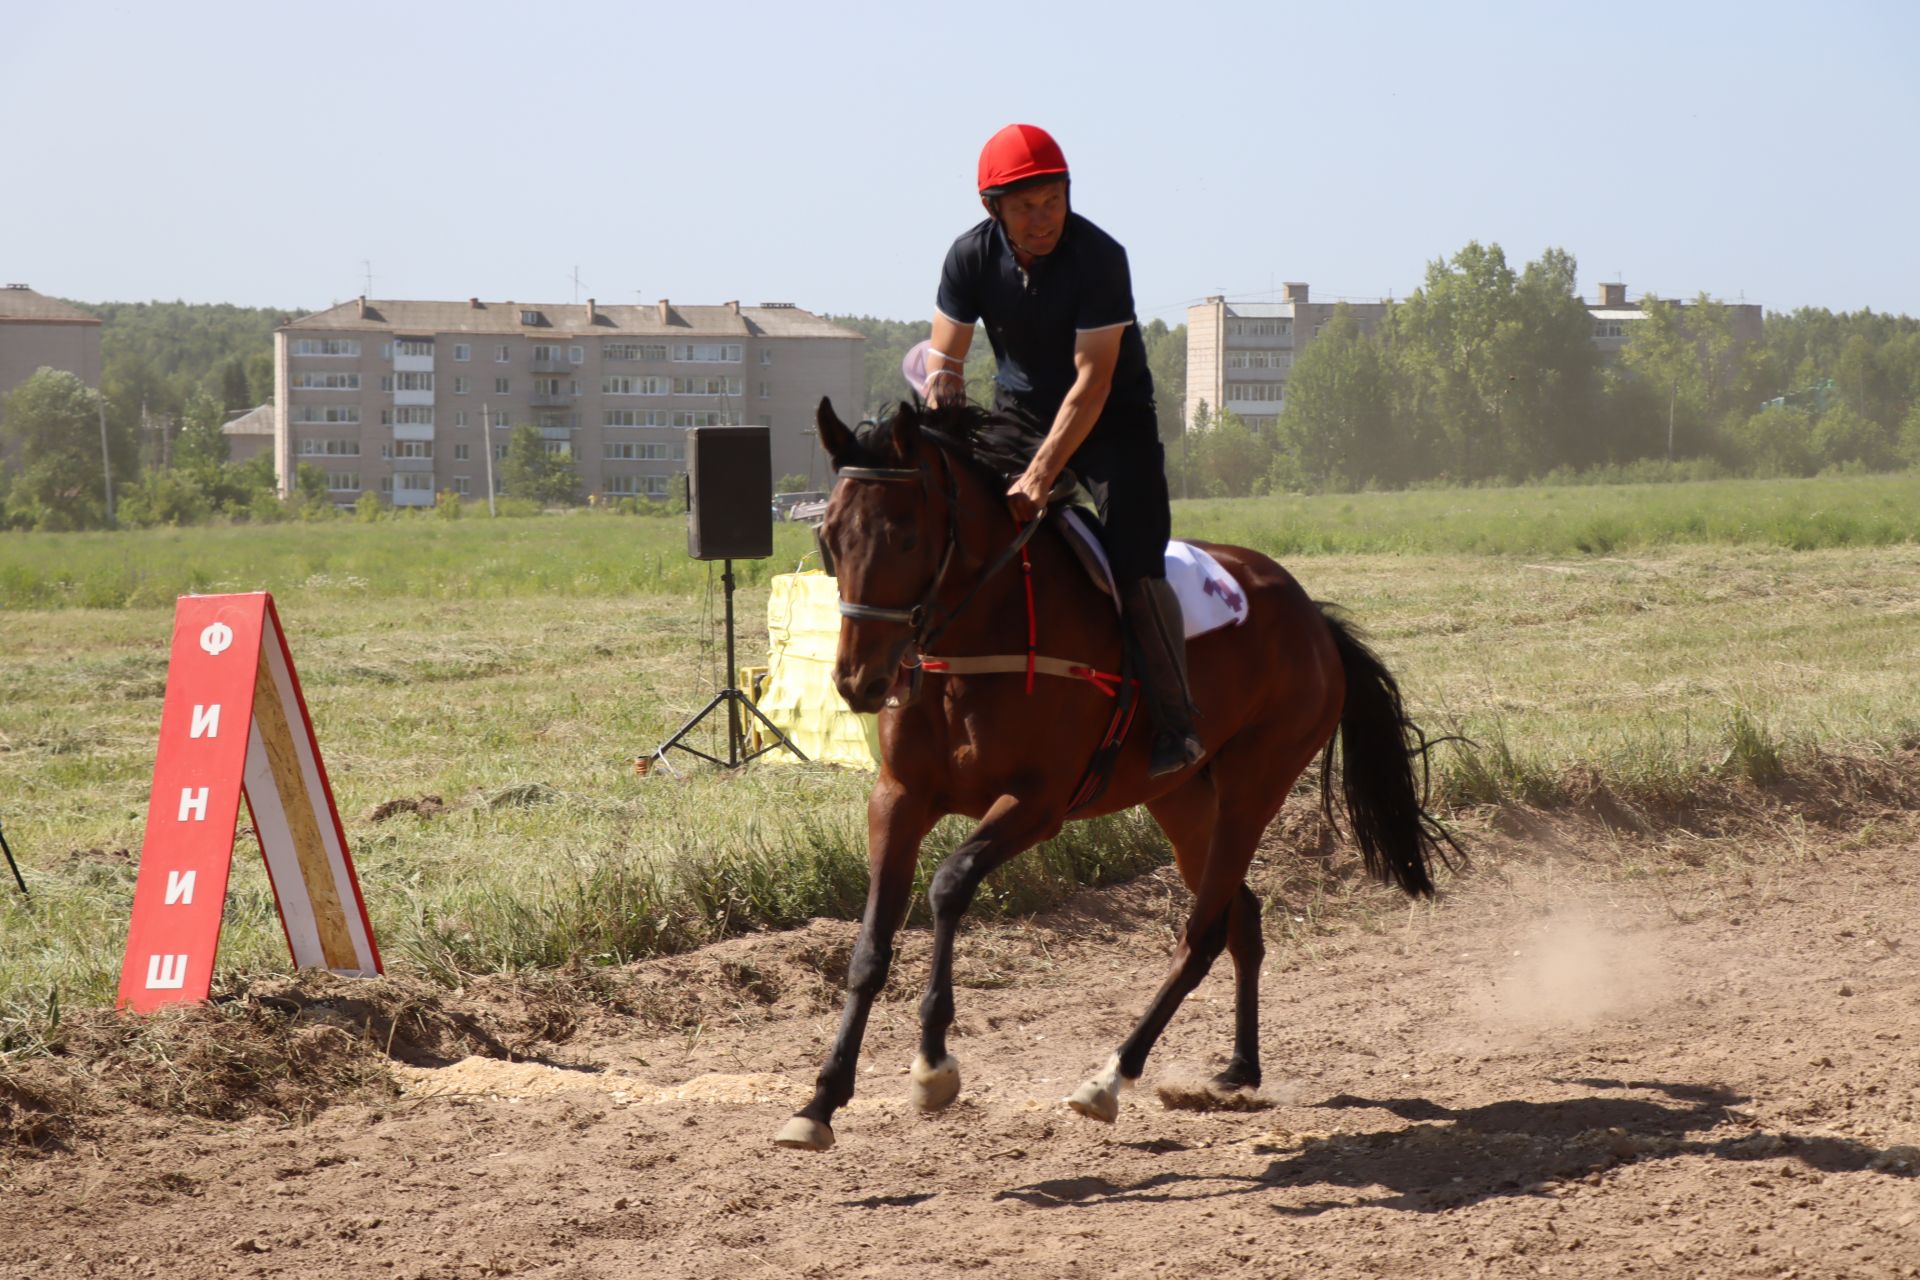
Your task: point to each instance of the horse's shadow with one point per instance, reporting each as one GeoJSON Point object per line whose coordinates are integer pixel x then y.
{"type": "Point", "coordinates": [1449, 1157]}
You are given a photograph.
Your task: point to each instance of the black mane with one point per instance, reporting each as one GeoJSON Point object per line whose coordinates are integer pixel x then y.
{"type": "Point", "coordinates": [997, 442]}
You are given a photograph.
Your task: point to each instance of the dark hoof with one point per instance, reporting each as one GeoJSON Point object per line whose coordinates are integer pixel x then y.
{"type": "Point", "coordinates": [1238, 1075]}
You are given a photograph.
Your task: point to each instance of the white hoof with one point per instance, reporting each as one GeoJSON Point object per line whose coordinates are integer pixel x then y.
{"type": "Point", "coordinates": [1099, 1098]}
{"type": "Point", "coordinates": [803, 1134]}
{"type": "Point", "coordinates": [935, 1084]}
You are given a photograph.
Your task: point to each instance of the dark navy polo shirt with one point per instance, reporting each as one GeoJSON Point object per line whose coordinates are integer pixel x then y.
{"type": "Point", "coordinates": [1033, 315]}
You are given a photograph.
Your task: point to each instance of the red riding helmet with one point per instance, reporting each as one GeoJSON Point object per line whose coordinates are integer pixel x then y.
{"type": "Point", "coordinates": [1017, 156]}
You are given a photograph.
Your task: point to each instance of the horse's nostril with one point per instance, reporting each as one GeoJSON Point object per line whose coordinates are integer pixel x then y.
{"type": "Point", "coordinates": [876, 687]}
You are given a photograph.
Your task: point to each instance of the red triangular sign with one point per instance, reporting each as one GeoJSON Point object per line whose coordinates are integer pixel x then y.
{"type": "Point", "coordinates": [234, 722]}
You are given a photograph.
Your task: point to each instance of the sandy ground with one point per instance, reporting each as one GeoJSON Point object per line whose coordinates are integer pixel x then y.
{"type": "Point", "coordinates": [1566, 1068]}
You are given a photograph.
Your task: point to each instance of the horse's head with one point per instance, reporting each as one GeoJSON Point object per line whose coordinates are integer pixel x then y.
{"type": "Point", "coordinates": [887, 537]}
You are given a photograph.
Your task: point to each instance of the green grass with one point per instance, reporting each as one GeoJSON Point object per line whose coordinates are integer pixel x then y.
{"type": "Point", "coordinates": [1801, 515]}
{"type": "Point", "coordinates": [514, 668]}
{"type": "Point", "coordinates": [587, 554]}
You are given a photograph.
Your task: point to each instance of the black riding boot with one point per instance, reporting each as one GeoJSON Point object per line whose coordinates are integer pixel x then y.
{"type": "Point", "coordinates": [1159, 638]}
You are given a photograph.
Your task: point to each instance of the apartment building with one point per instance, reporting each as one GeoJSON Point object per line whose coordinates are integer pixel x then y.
{"type": "Point", "coordinates": [390, 397]}
{"type": "Point", "coordinates": [41, 332]}
{"type": "Point", "coordinates": [1613, 318]}
{"type": "Point", "coordinates": [1240, 353]}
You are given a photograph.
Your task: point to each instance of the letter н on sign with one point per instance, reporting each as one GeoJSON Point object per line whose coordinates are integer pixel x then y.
{"type": "Point", "coordinates": [234, 723]}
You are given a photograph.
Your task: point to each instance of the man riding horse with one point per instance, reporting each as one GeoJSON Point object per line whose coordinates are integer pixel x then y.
{"type": "Point", "coordinates": [1054, 292]}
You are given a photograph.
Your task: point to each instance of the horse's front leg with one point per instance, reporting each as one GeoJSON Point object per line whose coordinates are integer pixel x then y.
{"type": "Point", "coordinates": [896, 825]}
{"type": "Point", "coordinates": [1011, 826]}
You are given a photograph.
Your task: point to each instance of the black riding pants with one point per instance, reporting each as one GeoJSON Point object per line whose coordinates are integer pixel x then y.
{"type": "Point", "coordinates": [1124, 467]}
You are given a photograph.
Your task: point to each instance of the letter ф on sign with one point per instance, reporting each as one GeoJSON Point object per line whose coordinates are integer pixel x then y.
{"type": "Point", "coordinates": [234, 723]}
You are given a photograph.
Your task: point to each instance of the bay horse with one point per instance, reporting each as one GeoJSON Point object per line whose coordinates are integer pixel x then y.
{"type": "Point", "coordinates": [920, 537]}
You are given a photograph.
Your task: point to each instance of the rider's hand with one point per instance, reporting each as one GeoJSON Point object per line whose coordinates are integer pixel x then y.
{"type": "Point", "coordinates": [1027, 496]}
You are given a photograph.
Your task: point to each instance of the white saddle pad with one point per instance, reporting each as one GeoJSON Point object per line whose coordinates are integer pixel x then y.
{"type": "Point", "coordinates": [1209, 596]}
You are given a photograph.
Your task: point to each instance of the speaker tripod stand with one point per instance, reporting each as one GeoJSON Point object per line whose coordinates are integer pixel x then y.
{"type": "Point", "coordinates": [734, 700]}
{"type": "Point", "coordinates": [13, 866]}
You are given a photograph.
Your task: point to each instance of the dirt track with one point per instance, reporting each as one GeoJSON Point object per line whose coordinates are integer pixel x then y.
{"type": "Point", "coordinates": [1564, 1070]}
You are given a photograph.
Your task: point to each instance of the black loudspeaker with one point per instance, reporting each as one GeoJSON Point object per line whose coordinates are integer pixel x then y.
{"type": "Point", "coordinates": [729, 493]}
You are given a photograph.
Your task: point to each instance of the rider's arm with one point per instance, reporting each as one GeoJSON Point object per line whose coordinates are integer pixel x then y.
{"type": "Point", "coordinates": [1095, 353]}
{"type": "Point", "coordinates": [947, 360]}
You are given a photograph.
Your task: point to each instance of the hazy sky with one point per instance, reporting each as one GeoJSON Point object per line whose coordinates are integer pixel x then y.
{"type": "Point", "coordinates": [823, 153]}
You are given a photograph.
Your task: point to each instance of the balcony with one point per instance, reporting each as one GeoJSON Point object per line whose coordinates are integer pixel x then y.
{"type": "Point", "coordinates": [558, 364]}
{"type": "Point", "coordinates": [413, 431]}
{"type": "Point", "coordinates": [413, 399]}
{"type": "Point", "coordinates": [1260, 341]}
{"type": "Point", "coordinates": [550, 400]}
{"type": "Point", "coordinates": [412, 464]}
{"type": "Point", "coordinates": [412, 497]}
{"type": "Point", "coordinates": [413, 364]}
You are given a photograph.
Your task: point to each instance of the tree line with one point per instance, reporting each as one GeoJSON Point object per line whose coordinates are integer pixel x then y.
{"type": "Point", "coordinates": [1488, 374]}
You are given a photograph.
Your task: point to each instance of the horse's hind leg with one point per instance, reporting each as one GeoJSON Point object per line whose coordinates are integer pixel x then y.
{"type": "Point", "coordinates": [1010, 827]}
{"type": "Point", "coordinates": [1248, 947]}
{"type": "Point", "coordinates": [1250, 791]}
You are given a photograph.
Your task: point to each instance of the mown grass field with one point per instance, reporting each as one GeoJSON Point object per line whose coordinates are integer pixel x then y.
{"type": "Point", "coordinates": [514, 668]}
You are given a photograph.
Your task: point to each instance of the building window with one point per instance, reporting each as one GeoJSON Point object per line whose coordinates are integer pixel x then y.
{"type": "Point", "coordinates": [635, 418]}
{"type": "Point", "coordinates": [326, 382]}
{"type": "Point", "coordinates": [542, 351]}
{"type": "Point", "coordinates": [459, 417]}
{"type": "Point", "coordinates": [710, 386]}
{"type": "Point", "coordinates": [326, 347]}
{"type": "Point", "coordinates": [459, 386]}
{"type": "Point", "coordinates": [386, 382]}
{"type": "Point", "coordinates": [462, 352]}
{"type": "Point", "coordinates": [766, 356]}
{"type": "Point", "coordinates": [1609, 329]}
{"type": "Point", "coordinates": [646, 451]}
{"type": "Point", "coordinates": [576, 355]}
{"type": "Point", "coordinates": [707, 353]}
{"type": "Point", "coordinates": [705, 418]}
{"type": "Point", "coordinates": [413, 449]}
{"type": "Point", "coordinates": [386, 351]}
{"type": "Point", "coordinates": [416, 482]}
{"type": "Point", "coordinates": [414, 347]}
{"type": "Point", "coordinates": [633, 351]}
{"type": "Point", "coordinates": [558, 448]}
{"type": "Point", "coordinates": [501, 420]}
{"type": "Point", "coordinates": [317, 448]}
{"type": "Point", "coordinates": [343, 481]}
{"type": "Point", "coordinates": [502, 353]}
{"type": "Point", "coordinates": [1265, 327]}
{"type": "Point", "coordinates": [463, 486]}
{"type": "Point", "coordinates": [531, 318]}
{"type": "Point", "coordinates": [1259, 359]}
{"type": "Point", "coordinates": [623, 384]}
{"type": "Point", "coordinates": [655, 486]}
{"type": "Point", "coordinates": [546, 386]}
{"type": "Point", "coordinates": [337, 414]}
{"type": "Point", "coordinates": [499, 453]}
{"type": "Point", "coordinates": [413, 382]}
{"type": "Point", "coordinates": [460, 452]}
{"type": "Point", "coordinates": [418, 415]}
{"type": "Point", "coordinates": [1256, 391]}
{"type": "Point", "coordinates": [502, 386]}
{"type": "Point", "coordinates": [766, 390]}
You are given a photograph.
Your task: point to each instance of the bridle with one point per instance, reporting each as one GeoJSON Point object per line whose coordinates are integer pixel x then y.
{"type": "Point", "coordinates": [926, 619]}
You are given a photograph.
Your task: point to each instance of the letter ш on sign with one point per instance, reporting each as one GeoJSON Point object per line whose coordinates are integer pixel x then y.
{"type": "Point", "coordinates": [166, 973]}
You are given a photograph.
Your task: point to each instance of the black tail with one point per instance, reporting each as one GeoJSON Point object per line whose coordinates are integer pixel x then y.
{"type": "Point", "coordinates": [1378, 743]}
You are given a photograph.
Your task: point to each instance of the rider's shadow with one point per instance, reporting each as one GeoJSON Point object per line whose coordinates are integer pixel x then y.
{"type": "Point", "coordinates": [1450, 1156]}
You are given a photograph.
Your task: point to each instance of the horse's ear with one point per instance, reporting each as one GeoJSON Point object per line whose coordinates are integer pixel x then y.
{"type": "Point", "coordinates": [835, 436]}
{"type": "Point", "coordinates": [905, 430]}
